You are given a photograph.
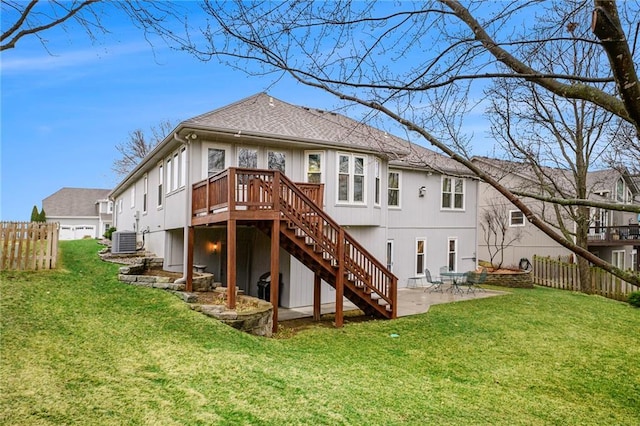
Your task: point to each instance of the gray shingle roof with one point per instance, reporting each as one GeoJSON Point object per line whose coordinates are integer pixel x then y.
{"type": "Point", "coordinates": [74, 202]}
{"type": "Point", "coordinates": [597, 181]}
{"type": "Point", "coordinates": [262, 114]}
{"type": "Point", "coordinates": [265, 115]}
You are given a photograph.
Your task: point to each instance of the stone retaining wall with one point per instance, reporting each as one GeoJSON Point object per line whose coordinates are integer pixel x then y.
{"type": "Point", "coordinates": [135, 274]}
{"type": "Point", "coordinates": [257, 321]}
{"type": "Point", "coordinates": [513, 280]}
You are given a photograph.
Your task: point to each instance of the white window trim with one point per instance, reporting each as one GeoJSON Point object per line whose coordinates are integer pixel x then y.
{"type": "Point", "coordinates": [352, 175]}
{"type": "Point", "coordinates": [322, 165]}
{"type": "Point", "coordinates": [377, 182]}
{"type": "Point", "coordinates": [169, 172]}
{"type": "Point", "coordinates": [513, 225]}
{"type": "Point", "coordinates": [399, 206]}
{"type": "Point", "coordinates": [613, 256]}
{"type": "Point", "coordinates": [205, 156]}
{"type": "Point", "coordinates": [415, 257]}
{"type": "Point", "coordinates": [455, 240]}
{"type": "Point", "coordinates": [176, 171]}
{"type": "Point", "coordinates": [183, 168]}
{"type": "Point", "coordinates": [145, 193]}
{"type": "Point", "coordinates": [160, 188]}
{"type": "Point", "coordinates": [133, 196]}
{"type": "Point", "coordinates": [453, 193]}
{"type": "Point", "coordinates": [120, 205]}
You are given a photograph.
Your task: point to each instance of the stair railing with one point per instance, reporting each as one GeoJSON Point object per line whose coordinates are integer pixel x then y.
{"type": "Point", "coordinates": [324, 233]}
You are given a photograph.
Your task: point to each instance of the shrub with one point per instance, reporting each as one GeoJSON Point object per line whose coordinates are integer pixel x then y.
{"type": "Point", "coordinates": [109, 232]}
{"type": "Point", "coordinates": [634, 299]}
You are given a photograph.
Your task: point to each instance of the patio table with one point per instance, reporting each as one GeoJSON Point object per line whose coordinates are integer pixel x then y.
{"type": "Point", "coordinates": [456, 278]}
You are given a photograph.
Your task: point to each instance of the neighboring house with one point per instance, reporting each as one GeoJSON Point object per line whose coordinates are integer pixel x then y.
{"type": "Point", "coordinates": [613, 235]}
{"type": "Point", "coordinates": [81, 212]}
{"type": "Point", "coordinates": [409, 207]}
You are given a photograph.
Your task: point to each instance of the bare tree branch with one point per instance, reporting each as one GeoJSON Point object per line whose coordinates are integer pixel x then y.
{"type": "Point", "coordinates": [18, 30]}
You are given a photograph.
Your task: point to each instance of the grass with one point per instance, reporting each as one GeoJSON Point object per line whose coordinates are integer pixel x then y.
{"type": "Point", "coordinates": [78, 347]}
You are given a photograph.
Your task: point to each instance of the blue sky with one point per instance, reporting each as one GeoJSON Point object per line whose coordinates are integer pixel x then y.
{"type": "Point", "coordinates": [63, 113]}
{"type": "Point", "coordinates": [64, 110]}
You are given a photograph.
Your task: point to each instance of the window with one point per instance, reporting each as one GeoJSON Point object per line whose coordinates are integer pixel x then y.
{"type": "Point", "coordinates": [248, 158]}
{"type": "Point", "coordinates": [351, 178]}
{"type": "Point", "coordinates": [620, 189]}
{"type": "Point", "coordinates": [516, 218]}
{"type": "Point", "coordinates": [109, 207]}
{"type": "Point", "coordinates": [183, 167]}
{"type": "Point", "coordinates": [215, 161]}
{"type": "Point", "coordinates": [617, 258]}
{"type": "Point", "coordinates": [394, 189]}
{"type": "Point", "coordinates": [160, 183]}
{"type": "Point", "coordinates": [174, 180]}
{"type": "Point", "coordinates": [452, 254]}
{"type": "Point", "coordinates": [276, 160]}
{"type": "Point", "coordinates": [120, 205]}
{"type": "Point", "coordinates": [421, 250]}
{"type": "Point", "coordinates": [169, 173]}
{"type": "Point", "coordinates": [452, 193]}
{"type": "Point", "coordinates": [314, 164]}
{"type": "Point", "coordinates": [133, 196]}
{"type": "Point", "coordinates": [634, 260]}
{"type": "Point", "coordinates": [145, 191]}
{"type": "Point", "coordinates": [376, 177]}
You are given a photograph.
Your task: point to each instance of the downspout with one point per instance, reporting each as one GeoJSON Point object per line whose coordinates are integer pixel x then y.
{"type": "Point", "coordinates": [187, 215]}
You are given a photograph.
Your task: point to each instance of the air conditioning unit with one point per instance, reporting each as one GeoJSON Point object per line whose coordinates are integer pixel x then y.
{"type": "Point", "coordinates": [123, 242]}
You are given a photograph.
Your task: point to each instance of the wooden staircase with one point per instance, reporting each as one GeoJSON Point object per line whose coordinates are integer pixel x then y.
{"type": "Point", "coordinates": [318, 242]}
{"type": "Point", "coordinates": [306, 231]}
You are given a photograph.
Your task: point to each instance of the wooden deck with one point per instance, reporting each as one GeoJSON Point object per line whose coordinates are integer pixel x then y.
{"type": "Point", "coordinates": [624, 235]}
{"type": "Point", "coordinates": [292, 215]}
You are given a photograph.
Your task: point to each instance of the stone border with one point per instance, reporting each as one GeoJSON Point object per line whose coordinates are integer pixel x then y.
{"type": "Point", "coordinates": [514, 279]}
{"type": "Point", "coordinates": [135, 274]}
{"type": "Point", "coordinates": [257, 321]}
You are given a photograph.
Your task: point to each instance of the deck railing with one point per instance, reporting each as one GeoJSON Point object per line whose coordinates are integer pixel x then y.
{"type": "Point", "coordinates": [615, 234]}
{"type": "Point", "coordinates": [249, 189]}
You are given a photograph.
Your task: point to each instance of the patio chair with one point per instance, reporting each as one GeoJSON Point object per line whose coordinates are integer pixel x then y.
{"type": "Point", "coordinates": [475, 280]}
{"type": "Point", "coordinates": [434, 284]}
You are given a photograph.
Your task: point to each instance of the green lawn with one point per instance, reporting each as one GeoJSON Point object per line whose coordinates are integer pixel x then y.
{"type": "Point", "coordinates": [78, 347]}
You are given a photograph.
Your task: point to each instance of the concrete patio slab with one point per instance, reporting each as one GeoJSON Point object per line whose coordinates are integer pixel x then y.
{"type": "Point", "coordinates": [411, 301]}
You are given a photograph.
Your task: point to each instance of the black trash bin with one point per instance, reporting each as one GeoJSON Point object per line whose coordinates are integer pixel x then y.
{"type": "Point", "coordinates": [264, 287]}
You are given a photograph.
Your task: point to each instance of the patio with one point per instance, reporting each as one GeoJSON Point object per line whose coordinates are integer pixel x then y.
{"type": "Point", "coordinates": [411, 301]}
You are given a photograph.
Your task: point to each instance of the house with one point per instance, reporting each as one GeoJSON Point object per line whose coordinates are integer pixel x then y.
{"type": "Point", "coordinates": [328, 204]}
{"type": "Point", "coordinates": [613, 235]}
{"type": "Point", "coordinates": [81, 212]}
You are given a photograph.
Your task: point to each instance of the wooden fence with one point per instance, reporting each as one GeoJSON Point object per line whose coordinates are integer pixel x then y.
{"type": "Point", "coordinates": [554, 273]}
{"type": "Point", "coordinates": [28, 245]}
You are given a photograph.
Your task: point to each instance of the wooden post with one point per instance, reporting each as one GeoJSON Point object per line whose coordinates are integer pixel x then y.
{"type": "Point", "coordinates": [275, 271]}
{"type": "Point", "coordinates": [316, 297]}
{"type": "Point", "coordinates": [190, 244]}
{"type": "Point", "coordinates": [231, 264]}
{"type": "Point", "coordinates": [340, 280]}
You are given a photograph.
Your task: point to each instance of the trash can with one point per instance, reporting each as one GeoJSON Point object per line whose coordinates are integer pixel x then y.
{"type": "Point", "coordinates": [264, 287]}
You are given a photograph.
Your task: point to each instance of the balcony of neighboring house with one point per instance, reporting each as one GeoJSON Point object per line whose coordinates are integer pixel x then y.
{"type": "Point", "coordinates": [620, 235]}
